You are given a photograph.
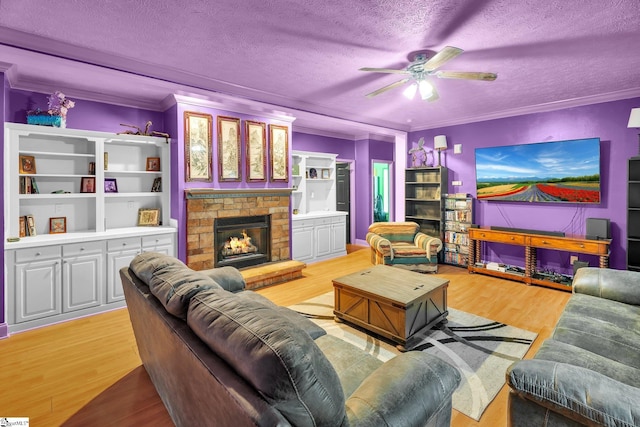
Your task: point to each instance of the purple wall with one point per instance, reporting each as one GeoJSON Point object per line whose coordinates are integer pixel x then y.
{"type": "Point", "coordinates": [344, 148]}
{"type": "Point", "coordinates": [4, 113]}
{"type": "Point", "coordinates": [88, 115]}
{"type": "Point", "coordinates": [608, 121]}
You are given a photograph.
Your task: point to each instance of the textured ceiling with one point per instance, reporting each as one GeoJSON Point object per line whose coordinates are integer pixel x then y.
{"type": "Point", "coordinates": [306, 54]}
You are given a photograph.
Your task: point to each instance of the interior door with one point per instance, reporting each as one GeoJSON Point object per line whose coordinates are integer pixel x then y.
{"type": "Point", "coordinates": [343, 194]}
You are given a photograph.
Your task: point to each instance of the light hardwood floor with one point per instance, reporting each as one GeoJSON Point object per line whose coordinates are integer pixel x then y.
{"type": "Point", "coordinates": [87, 372]}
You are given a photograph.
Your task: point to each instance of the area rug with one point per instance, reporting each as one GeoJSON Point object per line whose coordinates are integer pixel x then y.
{"type": "Point", "coordinates": [481, 349]}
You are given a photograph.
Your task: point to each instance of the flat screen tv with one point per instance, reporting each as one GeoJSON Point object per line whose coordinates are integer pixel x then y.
{"type": "Point", "coordinates": [559, 171]}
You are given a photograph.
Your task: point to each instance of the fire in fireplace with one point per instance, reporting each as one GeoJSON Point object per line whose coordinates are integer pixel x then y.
{"type": "Point", "coordinates": [242, 241]}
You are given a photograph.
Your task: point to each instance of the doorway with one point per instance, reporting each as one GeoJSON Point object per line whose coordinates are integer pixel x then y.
{"type": "Point", "coordinates": [381, 190]}
{"type": "Point", "coordinates": [343, 193]}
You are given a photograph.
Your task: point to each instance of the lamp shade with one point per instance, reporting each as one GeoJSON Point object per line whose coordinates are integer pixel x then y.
{"type": "Point", "coordinates": [440, 142]}
{"type": "Point", "coordinates": [634, 118]}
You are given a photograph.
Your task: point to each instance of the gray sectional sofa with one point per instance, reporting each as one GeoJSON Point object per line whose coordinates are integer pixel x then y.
{"type": "Point", "coordinates": [588, 371]}
{"type": "Point", "coordinates": [220, 355]}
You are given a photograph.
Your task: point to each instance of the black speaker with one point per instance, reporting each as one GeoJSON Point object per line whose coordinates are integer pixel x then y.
{"type": "Point", "coordinates": [579, 264]}
{"type": "Point", "coordinates": [598, 228]}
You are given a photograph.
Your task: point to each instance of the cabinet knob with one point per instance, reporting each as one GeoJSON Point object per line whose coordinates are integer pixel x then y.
{"type": "Point", "coordinates": [38, 254]}
{"type": "Point", "coordinates": [124, 244]}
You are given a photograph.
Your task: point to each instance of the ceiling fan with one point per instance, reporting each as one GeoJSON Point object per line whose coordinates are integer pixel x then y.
{"type": "Point", "coordinates": [423, 67]}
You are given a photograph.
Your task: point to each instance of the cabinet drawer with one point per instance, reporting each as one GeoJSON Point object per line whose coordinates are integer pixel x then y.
{"type": "Point", "coordinates": [322, 221]}
{"type": "Point", "coordinates": [83, 248]}
{"type": "Point", "coordinates": [568, 245]}
{"type": "Point", "coordinates": [301, 223]}
{"type": "Point", "coordinates": [497, 236]}
{"type": "Point", "coordinates": [37, 254]}
{"type": "Point", "coordinates": [128, 243]}
{"type": "Point", "coordinates": [338, 219]}
{"type": "Point", "coordinates": [159, 240]}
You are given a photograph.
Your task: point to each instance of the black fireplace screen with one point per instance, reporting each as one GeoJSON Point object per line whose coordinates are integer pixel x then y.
{"type": "Point", "coordinates": [242, 241]}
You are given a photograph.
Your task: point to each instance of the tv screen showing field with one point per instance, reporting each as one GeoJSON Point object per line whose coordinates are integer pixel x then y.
{"type": "Point", "coordinates": [560, 171]}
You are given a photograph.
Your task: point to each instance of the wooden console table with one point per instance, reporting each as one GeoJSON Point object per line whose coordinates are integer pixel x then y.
{"type": "Point", "coordinates": [531, 242]}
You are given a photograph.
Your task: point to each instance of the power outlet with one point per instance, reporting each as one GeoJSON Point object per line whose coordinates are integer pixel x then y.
{"type": "Point", "coordinates": [573, 259]}
{"type": "Point", "coordinates": [130, 205]}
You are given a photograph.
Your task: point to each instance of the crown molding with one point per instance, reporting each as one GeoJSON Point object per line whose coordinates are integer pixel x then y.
{"type": "Point", "coordinates": [237, 105]}
{"type": "Point", "coordinates": [539, 108]}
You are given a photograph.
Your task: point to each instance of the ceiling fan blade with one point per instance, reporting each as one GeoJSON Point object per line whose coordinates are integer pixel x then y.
{"type": "Point", "coordinates": [438, 60]}
{"type": "Point", "coordinates": [386, 88]}
{"type": "Point", "coordinates": [385, 70]}
{"type": "Point", "coordinates": [466, 75]}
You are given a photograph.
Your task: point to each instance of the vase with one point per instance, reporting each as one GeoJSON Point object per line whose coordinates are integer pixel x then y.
{"type": "Point", "coordinates": [47, 120]}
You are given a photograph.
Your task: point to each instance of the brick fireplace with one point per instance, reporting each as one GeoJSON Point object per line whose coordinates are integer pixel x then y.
{"type": "Point", "coordinates": [205, 205]}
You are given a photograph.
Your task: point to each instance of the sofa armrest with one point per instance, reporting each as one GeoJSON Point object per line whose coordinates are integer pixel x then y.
{"type": "Point", "coordinates": [380, 244]}
{"type": "Point", "coordinates": [229, 278]}
{"type": "Point", "coordinates": [577, 393]}
{"type": "Point", "coordinates": [427, 242]}
{"type": "Point", "coordinates": [617, 285]}
{"type": "Point", "coordinates": [408, 390]}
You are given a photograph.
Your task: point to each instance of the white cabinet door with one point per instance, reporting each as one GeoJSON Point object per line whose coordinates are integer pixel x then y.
{"type": "Point", "coordinates": [339, 236]}
{"type": "Point", "coordinates": [82, 282]}
{"type": "Point", "coordinates": [115, 261]}
{"type": "Point", "coordinates": [38, 290]}
{"type": "Point", "coordinates": [120, 253]}
{"type": "Point", "coordinates": [302, 243]}
{"type": "Point", "coordinates": [162, 243]}
{"type": "Point", "coordinates": [323, 240]}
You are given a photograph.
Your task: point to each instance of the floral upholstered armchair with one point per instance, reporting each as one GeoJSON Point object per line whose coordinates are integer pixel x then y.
{"type": "Point", "coordinates": [394, 243]}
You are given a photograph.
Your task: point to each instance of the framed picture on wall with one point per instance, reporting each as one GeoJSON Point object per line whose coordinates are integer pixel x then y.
{"type": "Point", "coordinates": [197, 146]}
{"type": "Point", "coordinates": [279, 150]}
{"type": "Point", "coordinates": [228, 148]}
{"type": "Point", "coordinates": [255, 135]}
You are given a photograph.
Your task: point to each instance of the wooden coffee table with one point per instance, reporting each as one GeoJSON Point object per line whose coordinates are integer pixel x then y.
{"type": "Point", "coordinates": [394, 303]}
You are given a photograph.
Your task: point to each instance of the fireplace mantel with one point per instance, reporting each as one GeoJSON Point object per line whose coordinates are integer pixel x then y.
{"type": "Point", "coordinates": [218, 193]}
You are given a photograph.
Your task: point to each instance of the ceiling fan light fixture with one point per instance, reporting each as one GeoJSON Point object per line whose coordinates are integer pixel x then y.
{"type": "Point", "coordinates": [426, 90]}
{"type": "Point", "coordinates": [410, 91]}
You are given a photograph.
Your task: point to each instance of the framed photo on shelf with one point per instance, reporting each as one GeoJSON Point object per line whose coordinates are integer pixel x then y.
{"type": "Point", "coordinates": [148, 217]}
{"type": "Point", "coordinates": [58, 225]}
{"type": "Point", "coordinates": [255, 135]}
{"type": "Point", "coordinates": [197, 146]}
{"type": "Point", "coordinates": [27, 164]}
{"type": "Point", "coordinates": [279, 147]}
{"type": "Point", "coordinates": [326, 174]}
{"type": "Point", "coordinates": [110, 185]}
{"type": "Point", "coordinates": [88, 184]}
{"type": "Point", "coordinates": [157, 185]}
{"type": "Point", "coordinates": [228, 149]}
{"type": "Point", "coordinates": [153, 164]}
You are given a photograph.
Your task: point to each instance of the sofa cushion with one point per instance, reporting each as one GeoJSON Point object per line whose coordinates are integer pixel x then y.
{"type": "Point", "coordinates": [311, 328]}
{"type": "Point", "coordinates": [169, 280]}
{"type": "Point", "coordinates": [145, 264]}
{"type": "Point", "coordinates": [557, 351]}
{"type": "Point", "coordinates": [273, 354]}
{"type": "Point", "coordinates": [352, 364]}
{"type": "Point", "coordinates": [395, 231]}
{"type": "Point", "coordinates": [601, 326]}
